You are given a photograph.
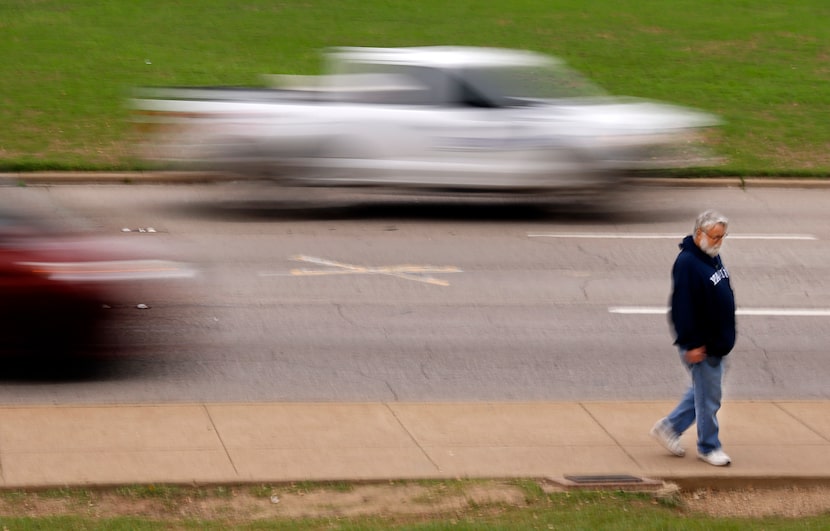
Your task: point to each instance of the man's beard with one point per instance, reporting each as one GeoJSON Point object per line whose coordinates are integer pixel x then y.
{"type": "Point", "coordinates": [711, 250]}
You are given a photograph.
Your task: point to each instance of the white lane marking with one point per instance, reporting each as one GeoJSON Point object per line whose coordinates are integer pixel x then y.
{"type": "Point", "coordinates": [779, 312]}
{"type": "Point", "coordinates": [417, 273]}
{"type": "Point", "coordinates": [638, 310]}
{"type": "Point", "coordinates": [808, 237]}
{"type": "Point", "coordinates": [647, 236]}
{"type": "Point", "coordinates": [786, 312]}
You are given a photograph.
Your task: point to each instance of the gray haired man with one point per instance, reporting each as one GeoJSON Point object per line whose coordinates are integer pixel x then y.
{"type": "Point", "coordinates": [703, 321]}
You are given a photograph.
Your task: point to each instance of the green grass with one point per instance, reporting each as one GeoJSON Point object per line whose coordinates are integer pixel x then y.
{"type": "Point", "coordinates": [68, 64]}
{"type": "Point", "coordinates": [603, 510]}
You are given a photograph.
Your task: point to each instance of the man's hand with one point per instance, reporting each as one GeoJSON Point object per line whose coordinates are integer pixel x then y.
{"type": "Point", "coordinates": [696, 355]}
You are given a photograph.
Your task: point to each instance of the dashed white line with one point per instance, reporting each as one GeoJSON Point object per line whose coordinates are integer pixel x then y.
{"type": "Point", "coordinates": [772, 312]}
{"type": "Point", "coordinates": [655, 236]}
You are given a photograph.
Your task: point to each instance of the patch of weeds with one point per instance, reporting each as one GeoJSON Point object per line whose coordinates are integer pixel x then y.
{"type": "Point", "coordinates": [149, 491]}
{"type": "Point", "coordinates": [262, 491]}
{"type": "Point", "coordinates": [73, 497]}
{"type": "Point", "coordinates": [581, 498]}
{"type": "Point", "coordinates": [224, 511]}
{"type": "Point", "coordinates": [65, 494]}
{"type": "Point", "coordinates": [438, 489]}
{"type": "Point", "coordinates": [473, 505]}
{"type": "Point", "coordinates": [669, 496]}
{"type": "Point", "coordinates": [14, 497]}
{"type": "Point", "coordinates": [198, 494]}
{"type": "Point", "coordinates": [427, 498]}
{"type": "Point", "coordinates": [304, 487]}
{"type": "Point", "coordinates": [426, 483]}
{"type": "Point", "coordinates": [339, 486]}
{"type": "Point", "coordinates": [460, 485]}
{"type": "Point", "coordinates": [223, 492]}
{"type": "Point", "coordinates": [669, 502]}
{"type": "Point", "coordinates": [531, 489]}
{"type": "Point", "coordinates": [171, 497]}
{"type": "Point", "coordinates": [432, 493]}
{"type": "Point", "coordinates": [454, 486]}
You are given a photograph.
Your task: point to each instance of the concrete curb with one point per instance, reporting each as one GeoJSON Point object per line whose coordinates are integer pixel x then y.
{"type": "Point", "coordinates": [750, 182]}
{"type": "Point", "coordinates": [191, 177]}
{"type": "Point", "coordinates": [154, 177]}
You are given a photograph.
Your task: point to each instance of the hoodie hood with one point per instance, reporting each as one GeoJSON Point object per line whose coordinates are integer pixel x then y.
{"type": "Point", "coordinates": [688, 244]}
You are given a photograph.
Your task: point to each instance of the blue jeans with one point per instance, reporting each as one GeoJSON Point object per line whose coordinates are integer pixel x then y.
{"type": "Point", "coordinates": [701, 402]}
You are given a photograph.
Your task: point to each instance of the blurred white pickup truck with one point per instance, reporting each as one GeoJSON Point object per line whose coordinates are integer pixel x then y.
{"type": "Point", "coordinates": [440, 118]}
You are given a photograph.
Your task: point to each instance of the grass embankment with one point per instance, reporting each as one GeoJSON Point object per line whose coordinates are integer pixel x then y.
{"type": "Point", "coordinates": [69, 64]}
{"type": "Point", "coordinates": [429, 505]}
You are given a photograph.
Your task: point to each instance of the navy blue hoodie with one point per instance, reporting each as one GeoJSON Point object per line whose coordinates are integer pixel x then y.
{"type": "Point", "coordinates": [702, 302]}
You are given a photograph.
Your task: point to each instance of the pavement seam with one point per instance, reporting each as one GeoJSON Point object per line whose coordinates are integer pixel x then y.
{"type": "Point", "coordinates": [221, 441]}
{"type": "Point", "coordinates": [608, 433]}
{"type": "Point", "coordinates": [411, 436]}
{"type": "Point", "coordinates": [795, 418]}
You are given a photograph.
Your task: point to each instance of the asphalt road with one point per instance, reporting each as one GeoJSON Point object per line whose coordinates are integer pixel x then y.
{"type": "Point", "coordinates": [380, 299]}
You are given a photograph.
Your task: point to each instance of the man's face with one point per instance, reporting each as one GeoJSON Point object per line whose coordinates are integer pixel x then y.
{"type": "Point", "coordinates": [709, 239]}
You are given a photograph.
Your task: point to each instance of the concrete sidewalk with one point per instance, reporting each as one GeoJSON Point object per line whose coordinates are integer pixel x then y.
{"type": "Point", "coordinates": [105, 445]}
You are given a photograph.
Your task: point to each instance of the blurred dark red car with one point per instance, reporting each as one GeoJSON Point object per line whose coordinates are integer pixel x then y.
{"type": "Point", "coordinates": [56, 287]}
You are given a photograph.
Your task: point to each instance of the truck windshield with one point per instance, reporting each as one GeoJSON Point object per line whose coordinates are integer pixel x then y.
{"type": "Point", "coordinates": [508, 86]}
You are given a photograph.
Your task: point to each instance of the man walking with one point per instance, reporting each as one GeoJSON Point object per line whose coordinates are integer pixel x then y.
{"type": "Point", "coordinates": [703, 320]}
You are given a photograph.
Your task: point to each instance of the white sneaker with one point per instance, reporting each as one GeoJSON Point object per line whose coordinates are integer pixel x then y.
{"type": "Point", "coordinates": [716, 458]}
{"type": "Point", "coordinates": [665, 435]}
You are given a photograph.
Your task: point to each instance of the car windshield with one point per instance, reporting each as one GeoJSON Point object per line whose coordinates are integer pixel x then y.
{"type": "Point", "coordinates": [524, 85]}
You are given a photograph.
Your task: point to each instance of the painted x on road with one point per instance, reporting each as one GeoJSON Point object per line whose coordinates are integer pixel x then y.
{"type": "Point", "coordinates": [418, 273]}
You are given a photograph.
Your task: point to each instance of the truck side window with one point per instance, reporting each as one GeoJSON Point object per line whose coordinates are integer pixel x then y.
{"type": "Point", "coordinates": [470, 97]}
